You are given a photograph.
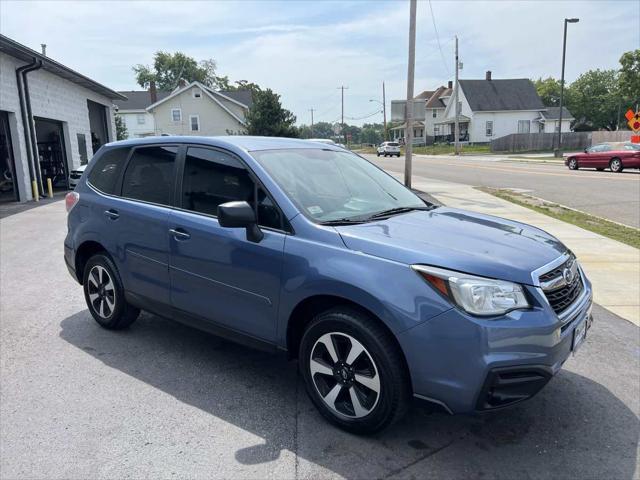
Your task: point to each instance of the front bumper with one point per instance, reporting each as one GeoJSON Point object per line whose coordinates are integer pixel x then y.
{"type": "Point", "coordinates": [467, 363]}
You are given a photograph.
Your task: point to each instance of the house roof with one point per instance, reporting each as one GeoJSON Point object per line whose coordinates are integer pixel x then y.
{"type": "Point", "coordinates": [26, 54]}
{"type": "Point", "coordinates": [426, 95]}
{"type": "Point", "coordinates": [553, 113]}
{"type": "Point", "coordinates": [138, 99]}
{"type": "Point", "coordinates": [504, 94]}
{"type": "Point", "coordinates": [243, 96]}
{"type": "Point", "coordinates": [434, 101]}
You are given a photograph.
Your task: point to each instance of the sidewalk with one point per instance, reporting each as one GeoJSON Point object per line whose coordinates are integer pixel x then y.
{"type": "Point", "coordinates": [612, 267]}
{"type": "Point", "coordinates": [498, 157]}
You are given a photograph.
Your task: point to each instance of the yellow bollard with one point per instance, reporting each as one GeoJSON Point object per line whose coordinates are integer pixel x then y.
{"type": "Point", "coordinates": [50, 187]}
{"type": "Point", "coordinates": [34, 190]}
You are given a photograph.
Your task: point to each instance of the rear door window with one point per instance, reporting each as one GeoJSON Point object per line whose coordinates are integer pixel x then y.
{"type": "Point", "coordinates": [105, 173]}
{"type": "Point", "coordinates": [150, 174]}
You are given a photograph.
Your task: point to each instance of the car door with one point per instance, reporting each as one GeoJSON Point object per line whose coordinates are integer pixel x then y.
{"type": "Point", "coordinates": [217, 275]}
{"type": "Point", "coordinates": [138, 221]}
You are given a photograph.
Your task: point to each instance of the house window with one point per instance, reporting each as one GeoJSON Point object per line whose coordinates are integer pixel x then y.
{"type": "Point", "coordinates": [434, 113]}
{"type": "Point", "coordinates": [176, 115]}
{"type": "Point", "coordinates": [141, 119]}
{"type": "Point", "coordinates": [557, 126]}
{"type": "Point", "coordinates": [488, 128]}
{"type": "Point", "coordinates": [194, 120]}
{"type": "Point", "coordinates": [524, 126]}
{"type": "Point", "coordinates": [197, 93]}
{"type": "Point", "coordinates": [436, 130]}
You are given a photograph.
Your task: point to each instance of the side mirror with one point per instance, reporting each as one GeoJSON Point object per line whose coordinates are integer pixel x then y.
{"type": "Point", "coordinates": [240, 215]}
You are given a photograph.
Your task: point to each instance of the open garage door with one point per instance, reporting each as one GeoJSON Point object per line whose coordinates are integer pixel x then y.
{"type": "Point", "coordinates": [52, 154]}
{"type": "Point", "coordinates": [8, 190]}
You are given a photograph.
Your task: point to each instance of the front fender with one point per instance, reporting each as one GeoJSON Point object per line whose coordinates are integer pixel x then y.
{"type": "Point", "coordinates": [390, 290]}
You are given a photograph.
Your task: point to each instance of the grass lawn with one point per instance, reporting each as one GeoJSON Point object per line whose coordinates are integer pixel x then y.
{"type": "Point", "coordinates": [616, 231]}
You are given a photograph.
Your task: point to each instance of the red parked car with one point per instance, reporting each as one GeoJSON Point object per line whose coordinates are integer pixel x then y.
{"type": "Point", "coordinates": [617, 157]}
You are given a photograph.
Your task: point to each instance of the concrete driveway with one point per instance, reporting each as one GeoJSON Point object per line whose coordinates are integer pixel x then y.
{"type": "Point", "coordinates": [161, 400]}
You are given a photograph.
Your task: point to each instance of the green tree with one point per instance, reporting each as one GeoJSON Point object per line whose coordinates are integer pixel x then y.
{"type": "Point", "coordinates": [594, 99]}
{"type": "Point", "coordinates": [121, 128]}
{"type": "Point", "coordinates": [549, 91]}
{"type": "Point", "coordinates": [630, 75]}
{"type": "Point", "coordinates": [322, 130]}
{"type": "Point", "coordinates": [267, 116]}
{"type": "Point", "coordinates": [169, 68]}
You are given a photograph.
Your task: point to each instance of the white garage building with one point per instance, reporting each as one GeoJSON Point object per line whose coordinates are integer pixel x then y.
{"type": "Point", "coordinates": [52, 120]}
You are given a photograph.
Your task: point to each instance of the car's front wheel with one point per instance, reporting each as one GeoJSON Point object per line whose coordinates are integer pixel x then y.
{"type": "Point", "coordinates": [616, 165]}
{"type": "Point", "coordinates": [353, 371]}
{"type": "Point", "coordinates": [104, 294]}
{"type": "Point", "coordinates": [573, 164]}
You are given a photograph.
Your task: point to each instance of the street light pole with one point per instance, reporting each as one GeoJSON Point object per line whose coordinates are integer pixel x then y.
{"type": "Point", "coordinates": [312, 110]}
{"type": "Point", "coordinates": [384, 112]}
{"type": "Point", "coordinates": [456, 120]}
{"type": "Point", "coordinates": [558, 152]}
{"type": "Point", "coordinates": [410, 76]}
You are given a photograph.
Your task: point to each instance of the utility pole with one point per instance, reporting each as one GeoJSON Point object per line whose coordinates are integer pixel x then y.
{"type": "Point", "coordinates": [410, 76]}
{"type": "Point", "coordinates": [312, 110]}
{"type": "Point", "coordinates": [384, 112]}
{"type": "Point", "coordinates": [344, 134]}
{"type": "Point", "coordinates": [456, 135]}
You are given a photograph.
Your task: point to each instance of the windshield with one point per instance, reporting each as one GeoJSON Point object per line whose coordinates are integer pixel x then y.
{"type": "Point", "coordinates": [330, 186]}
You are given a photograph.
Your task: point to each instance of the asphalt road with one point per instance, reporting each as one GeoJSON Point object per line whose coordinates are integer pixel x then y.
{"type": "Point", "coordinates": [615, 196]}
{"type": "Point", "coordinates": [161, 400]}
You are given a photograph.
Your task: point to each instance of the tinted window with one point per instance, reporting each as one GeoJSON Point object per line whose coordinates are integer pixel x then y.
{"type": "Point", "coordinates": [212, 178]}
{"type": "Point", "coordinates": [106, 171]}
{"type": "Point", "coordinates": [149, 175]}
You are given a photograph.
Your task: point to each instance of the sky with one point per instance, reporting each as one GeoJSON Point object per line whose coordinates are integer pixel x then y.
{"type": "Point", "coordinates": [305, 50]}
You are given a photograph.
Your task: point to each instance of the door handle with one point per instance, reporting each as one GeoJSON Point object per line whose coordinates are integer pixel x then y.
{"type": "Point", "coordinates": [180, 234]}
{"type": "Point", "coordinates": [112, 214]}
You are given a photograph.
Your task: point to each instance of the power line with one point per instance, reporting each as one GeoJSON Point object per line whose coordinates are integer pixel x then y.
{"type": "Point", "coordinates": [444, 61]}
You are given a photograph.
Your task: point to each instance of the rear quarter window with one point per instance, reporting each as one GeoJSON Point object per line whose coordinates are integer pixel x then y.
{"type": "Point", "coordinates": [106, 171]}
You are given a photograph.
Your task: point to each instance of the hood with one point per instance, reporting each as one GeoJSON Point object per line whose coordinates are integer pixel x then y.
{"type": "Point", "coordinates": [457, 240]}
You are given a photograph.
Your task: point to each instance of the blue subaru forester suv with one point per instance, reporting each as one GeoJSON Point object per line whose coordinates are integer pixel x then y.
{"type": "Point", "coordinates": [308, 248]}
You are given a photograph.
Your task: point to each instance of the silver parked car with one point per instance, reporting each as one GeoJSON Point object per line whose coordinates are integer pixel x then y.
{"type": "Point", "coordinates": [388, 148]}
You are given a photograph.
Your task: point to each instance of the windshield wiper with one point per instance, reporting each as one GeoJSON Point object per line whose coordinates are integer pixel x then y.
{"type": "Point", "coordinates": [397, 210]}
{"type": "Point", "coordinates": [342, 221]}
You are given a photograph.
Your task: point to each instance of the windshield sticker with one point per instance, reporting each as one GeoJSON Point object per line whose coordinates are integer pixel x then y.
{"type": "Point", "coordinates": [314, 210]}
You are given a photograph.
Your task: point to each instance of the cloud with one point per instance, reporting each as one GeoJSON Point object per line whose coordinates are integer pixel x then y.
{"type": "Point", "coordinates": [305, 50]}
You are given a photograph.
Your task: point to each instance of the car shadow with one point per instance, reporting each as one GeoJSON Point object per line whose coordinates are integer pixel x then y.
{"type": "Point", "coordinates": [575, 428]}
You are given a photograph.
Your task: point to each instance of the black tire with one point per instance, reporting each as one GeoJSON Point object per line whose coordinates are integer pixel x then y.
{"type": "Point", "coordinates": [573, 164]}
{"type": "Point", "coordinates": [398, 155]}
{"type": "Point", "coordinates": [381, 359]}
{"type": "Point", "coordinates": [616, 165]}
{"type": "Point", "coordinates": [107, 304]}
{"type": "Point", "coordinates": [378, 154]}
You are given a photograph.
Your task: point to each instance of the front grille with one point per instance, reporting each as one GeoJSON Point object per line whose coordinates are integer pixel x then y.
{"type": "Point", "coordinates": [561, 298]}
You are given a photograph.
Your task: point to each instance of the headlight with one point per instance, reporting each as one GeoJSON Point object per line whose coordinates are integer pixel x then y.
{"type": "Point", "coordinates": [476, 295]}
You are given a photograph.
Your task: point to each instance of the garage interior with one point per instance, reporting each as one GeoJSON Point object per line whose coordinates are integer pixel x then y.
{"type": "Point", "coordinates": [8, 190]}
{"type": "Point", "coordinates": [52, 153]}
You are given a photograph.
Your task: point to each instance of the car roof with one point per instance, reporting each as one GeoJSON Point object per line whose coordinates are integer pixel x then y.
{"type": "Point", "coordinates": [243, 142]}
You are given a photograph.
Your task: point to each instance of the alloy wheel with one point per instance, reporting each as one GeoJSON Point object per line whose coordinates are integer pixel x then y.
{"type": "Point", "coordinates": [615, 165]}
{"type": "Point", "coordinates": [101, 291]}
{"type": "Point", "coordinates": [344, 375]}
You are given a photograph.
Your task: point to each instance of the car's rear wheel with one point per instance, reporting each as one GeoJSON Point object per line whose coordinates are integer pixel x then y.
{"type": "Point", "coordinates": [104, 294]}
{"type": "Point", "coordinates": [615, 165]}
{"type": "Point", "coordinates": [353, 371]}
{"type": "Point", "coordinates": [573, 164]}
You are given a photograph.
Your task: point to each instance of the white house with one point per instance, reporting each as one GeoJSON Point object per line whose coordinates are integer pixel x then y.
{"type": "Point", "coordinates": [492, 108]}
{"type": "Point", "coordinates": [133, 111]}
{"type": "Point", "coordinates": [52, 120]}
{"type": "Point", "coordinates": [489, 109]}
{"type": "Point", "coordinates": [195, 109]}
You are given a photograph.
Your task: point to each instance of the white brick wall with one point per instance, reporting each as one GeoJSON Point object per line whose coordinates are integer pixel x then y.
{"type": "Point", "coordinates": [54, 98]}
